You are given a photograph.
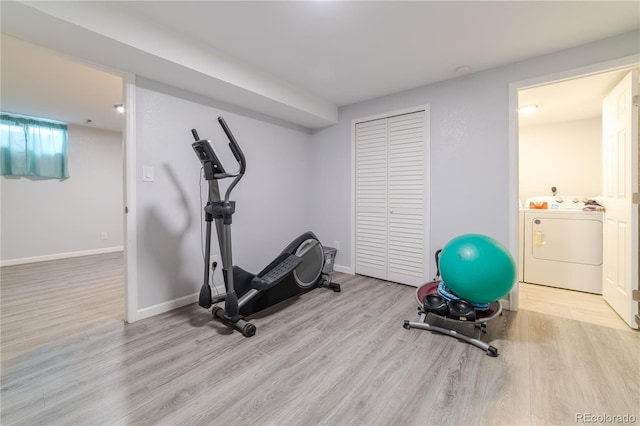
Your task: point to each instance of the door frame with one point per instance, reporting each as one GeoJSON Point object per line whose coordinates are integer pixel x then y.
{"type": "Point", "coordinates": [129, 190]}
{"type": "Point", "coordinates": [624, 63]}
{"type": "Point", "coordinates": [427, 196]}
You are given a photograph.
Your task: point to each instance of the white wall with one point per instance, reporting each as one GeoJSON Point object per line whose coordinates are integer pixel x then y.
{"type": "Point", "coordinates": [566, 155]}
{"type": "Point", "coordinates": [50, 217]}
{"type": "Point", "coordinates": [469, 147]}
{"type": "Point", "coordinates": [271, 200]}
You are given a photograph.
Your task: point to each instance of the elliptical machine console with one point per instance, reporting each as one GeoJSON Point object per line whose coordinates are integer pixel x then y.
{"type": "Point", "coordinates": [296, 270]}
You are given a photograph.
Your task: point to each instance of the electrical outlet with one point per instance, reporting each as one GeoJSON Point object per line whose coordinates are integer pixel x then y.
{"type": "Point", "coordinates": [213, 259]}
{"type": "Point", "coordinates": [104, 236]}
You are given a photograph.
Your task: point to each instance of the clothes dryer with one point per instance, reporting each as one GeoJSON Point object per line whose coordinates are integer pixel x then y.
{"type": "Point", "coordinates": [562, 243]}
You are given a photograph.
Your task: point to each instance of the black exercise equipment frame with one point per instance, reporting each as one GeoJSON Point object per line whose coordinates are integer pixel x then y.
{"type": "Point", "coordinates": [246, 293]}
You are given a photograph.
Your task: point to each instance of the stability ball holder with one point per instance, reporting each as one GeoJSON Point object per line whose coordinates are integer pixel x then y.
{"type": "Point", "coordinates": [477, 268]}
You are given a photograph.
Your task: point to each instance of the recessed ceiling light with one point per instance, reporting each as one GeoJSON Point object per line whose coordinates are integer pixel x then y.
{"type": "Point", "coordinates": [528, 109]}
{"type": "Point", "coordinates": [119, 108]}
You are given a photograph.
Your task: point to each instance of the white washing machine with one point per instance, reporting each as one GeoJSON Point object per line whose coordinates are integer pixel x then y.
{"type": "Point", "coordinates": [562, 244]}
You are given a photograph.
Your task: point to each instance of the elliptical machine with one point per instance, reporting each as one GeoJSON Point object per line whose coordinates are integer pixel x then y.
{"type": "Point", "coordinates": [297, 270]}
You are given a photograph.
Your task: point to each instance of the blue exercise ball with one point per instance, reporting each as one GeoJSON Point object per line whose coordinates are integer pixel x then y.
{"type": "Point", "coordinates": [477, 268]}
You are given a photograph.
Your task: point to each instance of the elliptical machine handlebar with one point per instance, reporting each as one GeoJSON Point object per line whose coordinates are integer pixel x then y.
{"type": "Point", "coordinates": [213, 168]}
{"type": "Point", "coordinates": [233, 145]}
{"type": "Point", "coordinates": [209, 159]}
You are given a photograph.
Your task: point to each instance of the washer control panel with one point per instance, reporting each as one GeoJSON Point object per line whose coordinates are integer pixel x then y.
{"type": "Point", "coordinates": [557, 202]}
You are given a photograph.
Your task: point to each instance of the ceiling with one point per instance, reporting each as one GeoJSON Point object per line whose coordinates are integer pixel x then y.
{"type": "Point", "coordinates": [349, 52]}
{"type": "Point", "coordinates": [333, 53]}
{"type": "Point", "coordinates": [44, 84]}
{"type": "Point", "coordinates": [569, 100]}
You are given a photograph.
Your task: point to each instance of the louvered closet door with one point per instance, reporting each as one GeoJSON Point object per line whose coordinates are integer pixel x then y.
{"type": "Point", "coordinates": [371, 198]}
{"type": "Point", "coordinates": [406, 195]}
{"type": "Point", "coordinates": [390, 198]}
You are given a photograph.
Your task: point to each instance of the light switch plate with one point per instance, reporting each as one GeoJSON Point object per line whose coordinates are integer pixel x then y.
{"type": "Point", "coordinates": [147, 174]}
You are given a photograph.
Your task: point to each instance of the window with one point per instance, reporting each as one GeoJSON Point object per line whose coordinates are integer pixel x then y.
{"type": "Point", "coordinates": [30, 147]}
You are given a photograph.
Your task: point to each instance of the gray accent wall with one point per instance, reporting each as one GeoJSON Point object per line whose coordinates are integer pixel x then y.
{"type": "Point", "coordinates": [42, 218]}
{"type": "Point", "coordinates": [271, 200]}
{"type": "Point", "coordinates": [469, 167]}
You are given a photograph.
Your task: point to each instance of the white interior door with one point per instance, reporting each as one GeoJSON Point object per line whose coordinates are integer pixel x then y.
{"type": "Point", "coordinates": [620, 182]}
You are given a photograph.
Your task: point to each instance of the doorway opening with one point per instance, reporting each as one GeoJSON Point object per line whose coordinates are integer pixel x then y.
{"type": "Point", "coordinates": [560, 173]}
{"type": "Point", "coordinates": [64, 257]}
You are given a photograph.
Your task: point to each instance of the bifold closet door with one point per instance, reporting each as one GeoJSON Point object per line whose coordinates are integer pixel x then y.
{"type": "Point", "coordinates": [391, 198]}
{"type": "Point", "coordinates": [406, 195]}
{"type": "Point", "coordinates": [371, 198]}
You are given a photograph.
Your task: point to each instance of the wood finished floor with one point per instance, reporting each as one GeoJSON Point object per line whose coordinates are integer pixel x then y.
{"type": "Point", "coordinates": [46, 302]}
{"type": "Point", "coordinates": [325, 358]}
{"type": "Point", "coordinates": [576, 305]}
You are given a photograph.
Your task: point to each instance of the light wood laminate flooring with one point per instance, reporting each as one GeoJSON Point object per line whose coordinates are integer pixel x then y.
{"type": "Point", "coordinates": [324, 358]}
{"type": "Point", "coordinates": [47, 302]}
{"type": "Point", "coordinates": [558, 302]}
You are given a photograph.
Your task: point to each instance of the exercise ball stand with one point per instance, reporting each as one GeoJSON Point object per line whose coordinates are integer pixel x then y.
{"type": "Point", "coordinates": [480, 324]}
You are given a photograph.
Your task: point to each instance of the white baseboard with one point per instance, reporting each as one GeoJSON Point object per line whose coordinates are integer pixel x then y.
{"type": "Point", "coordinates": [506, 304]}
{"type": "Point", "coordinates": [161, 308]}
{"type": "Point", "coordinates": [343, 269]}
{"type": "Point", "coordinates": [58, 256]}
